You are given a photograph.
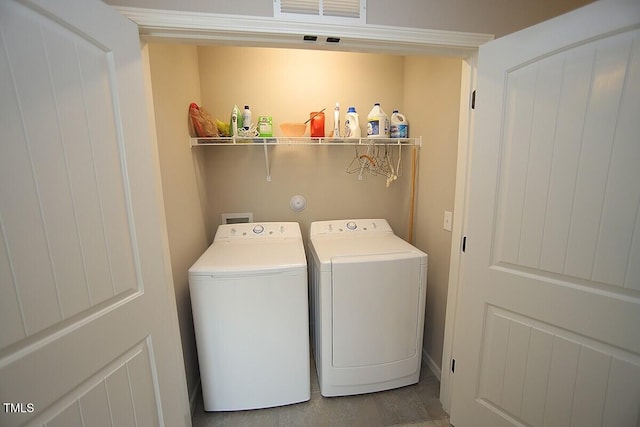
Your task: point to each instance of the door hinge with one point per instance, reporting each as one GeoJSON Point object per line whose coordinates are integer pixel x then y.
{"type": "Point", "coordinates": [453, 366]}
{"type": "Point", "coordinates": [464, 244]}
{"type": "Point", "coordinates": [473, 100]}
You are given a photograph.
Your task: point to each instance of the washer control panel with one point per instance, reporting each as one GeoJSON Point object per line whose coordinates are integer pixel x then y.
{"type": "Point", "coordinates": [348, 226]}
{"type": "Point", "coordinates": [254, 230]}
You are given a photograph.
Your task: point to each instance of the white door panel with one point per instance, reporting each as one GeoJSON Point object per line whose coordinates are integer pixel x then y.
{"type": "Point", "coordinates": [88, 332]}
{"type": "Point", "coordinates": [544, 375]}
{"type": "Point", "coordinates": [550, 290]}
{"type": "Point", "coordinates": [564, 203]}
{"type": "Point", "coordinates": [78, 253]}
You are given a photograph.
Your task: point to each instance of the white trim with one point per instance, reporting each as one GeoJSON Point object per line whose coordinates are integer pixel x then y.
{"type": "Point", "coordinates": [244, 30]}
{"type": "Point", "coordinates": [465, 141]}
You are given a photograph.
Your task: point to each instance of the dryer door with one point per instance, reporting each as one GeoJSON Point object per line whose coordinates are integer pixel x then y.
{"type": "Point", "coordinates": [376, 309]}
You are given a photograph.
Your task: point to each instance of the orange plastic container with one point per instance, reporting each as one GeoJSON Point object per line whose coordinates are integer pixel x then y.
{"type": "Point", "coordinates": [317, 124]}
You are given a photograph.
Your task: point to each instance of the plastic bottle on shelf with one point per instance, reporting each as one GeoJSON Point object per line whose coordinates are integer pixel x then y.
{"type": "Point", "coordinates": [246, 118]}
{"type": "Point", "coordinates": [336, 121]}
{"type": "Point", "coordinates": [378, 123]}
{"type": "Point", "coordinates": [352, 124]}
{"type": "Point", "coordinates": [399, 125]}
{"type": "Point", "coordinates": [235, 121]}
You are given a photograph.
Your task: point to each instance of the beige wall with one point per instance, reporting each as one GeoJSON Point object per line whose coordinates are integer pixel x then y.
{"type": "Point", "coordinates": [497, 17]}
{"type": "Point", "coordinates": [287, 84]}
{"type": "Point", "coordinates": [175, 81]}
{"type": "Point", "coordinates": [432, 97]}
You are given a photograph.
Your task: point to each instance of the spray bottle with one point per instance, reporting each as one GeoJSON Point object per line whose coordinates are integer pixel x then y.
{"type": "Point", "coordinates": [336, 121]}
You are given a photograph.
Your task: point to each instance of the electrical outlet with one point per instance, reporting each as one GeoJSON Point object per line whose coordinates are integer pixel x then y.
{"type": "Point", "coordinates": [448, 220]}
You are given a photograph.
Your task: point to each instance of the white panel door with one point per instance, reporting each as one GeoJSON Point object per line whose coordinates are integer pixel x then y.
{"type": "Point", "coordinates": [88, 328]}
{"type": "Point", "coordinates": [549, 306]}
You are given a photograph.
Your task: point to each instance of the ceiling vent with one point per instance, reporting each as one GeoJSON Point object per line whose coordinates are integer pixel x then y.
{"type": "Point", "coordinates": [327, 11]}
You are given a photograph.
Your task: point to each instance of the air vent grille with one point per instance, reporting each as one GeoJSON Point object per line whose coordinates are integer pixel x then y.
{"type": "Point", "coordinates": [323, 10]}
{"type": "Point", "coordinates": [344, 8]}
{"type": "Point", "coordinates": [305, 7]}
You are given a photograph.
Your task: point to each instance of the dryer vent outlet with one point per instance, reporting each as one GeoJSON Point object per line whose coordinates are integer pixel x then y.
{"type": "Point", "coordinates": [237, 218]}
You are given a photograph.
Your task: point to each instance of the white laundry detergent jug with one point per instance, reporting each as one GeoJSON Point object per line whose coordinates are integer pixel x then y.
{"type": "Point", "coordinates": [352, 124]}
{"type": "Point", "coordinates": [399, 125]}
{"type": "Point", "coordinates": [378, 123]}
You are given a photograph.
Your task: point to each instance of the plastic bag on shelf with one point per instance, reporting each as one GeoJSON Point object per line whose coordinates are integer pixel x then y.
{"type": "Point", "coordinates": [203, 124]}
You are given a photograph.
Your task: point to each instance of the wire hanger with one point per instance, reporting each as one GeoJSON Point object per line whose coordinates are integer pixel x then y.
{"type": "Point", "coordinates": [378, 160]}
{"type": "Point", "coordinates": [362, 162]}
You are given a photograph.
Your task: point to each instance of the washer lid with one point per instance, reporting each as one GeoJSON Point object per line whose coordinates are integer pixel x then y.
{"type": "Point", "coordinates": [237, 256]}
{"type": "Point", "coordinates": [252, 247]}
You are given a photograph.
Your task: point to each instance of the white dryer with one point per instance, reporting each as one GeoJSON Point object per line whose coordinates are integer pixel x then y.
{"type": "Point", "coordinates": [368, 290]}
{"type": "Point", "coordinates": [250, 312]}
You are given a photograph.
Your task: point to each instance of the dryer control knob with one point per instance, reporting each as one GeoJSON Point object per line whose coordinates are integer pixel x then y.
{"type": "Point", "coordinates": [351, 225]}
{"type": "Point", "coordinates": [258, 229]}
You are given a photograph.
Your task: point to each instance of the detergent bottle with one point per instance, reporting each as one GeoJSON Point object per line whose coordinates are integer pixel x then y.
{"type": "Point", "coordinates": [378, 123]}
{"type": "Point", "coordinates": [352, 124]}
{"type": "Point", "coordinates": [399, 125]}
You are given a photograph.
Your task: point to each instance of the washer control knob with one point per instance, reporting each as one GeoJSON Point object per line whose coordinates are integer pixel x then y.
{"type": "Point", "coordinates": [351, 225]}
{"type": "Point", "coordinates": [258, 229]}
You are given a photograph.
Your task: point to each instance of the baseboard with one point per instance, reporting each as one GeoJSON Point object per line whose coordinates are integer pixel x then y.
{"type": "Point", "coordinates": [193, 396]}
{"type": "Point", "coordinates": [428, 361]}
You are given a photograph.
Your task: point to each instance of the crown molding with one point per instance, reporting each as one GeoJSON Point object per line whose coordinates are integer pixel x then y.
{"type": "Point", "coordinates": [210, 28]}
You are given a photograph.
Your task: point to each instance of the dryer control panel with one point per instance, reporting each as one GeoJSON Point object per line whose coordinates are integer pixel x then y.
{"type": "Point", "coordinates": [252, 230]}
{"type": "Point", "coordinates": [359, 226]}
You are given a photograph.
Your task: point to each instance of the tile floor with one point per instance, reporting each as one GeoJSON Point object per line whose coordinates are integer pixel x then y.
{"type": "Point", "coordinates": [416, 405]}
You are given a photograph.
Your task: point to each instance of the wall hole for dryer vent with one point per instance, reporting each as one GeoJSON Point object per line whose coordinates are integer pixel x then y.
{"type": "Point", "coordinates": [237, 218]}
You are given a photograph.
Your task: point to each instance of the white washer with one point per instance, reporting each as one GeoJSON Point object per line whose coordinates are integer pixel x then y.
{"type": "Point", "coordinates": [250, 313]}
{"type": "Point", "coordinates": [368, 290]}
